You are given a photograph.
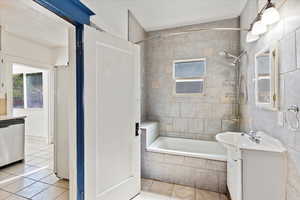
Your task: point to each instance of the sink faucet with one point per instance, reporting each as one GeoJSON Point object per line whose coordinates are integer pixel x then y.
{"type": "Point", "coordinates": [253, 136]}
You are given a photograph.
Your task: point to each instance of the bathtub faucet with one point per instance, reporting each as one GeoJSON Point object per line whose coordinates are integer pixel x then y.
{"type": "Point", "coordinates": [253, 136]}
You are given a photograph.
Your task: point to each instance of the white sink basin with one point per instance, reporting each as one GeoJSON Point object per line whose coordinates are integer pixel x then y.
{"type": "Point", "coordinates": [237, 140]}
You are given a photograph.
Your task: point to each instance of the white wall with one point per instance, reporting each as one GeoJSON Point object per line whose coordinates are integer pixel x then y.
{"type": "Point", "coordinates": [16, 49]}
{"type": "Point", "coordinates": [113, 19]}
{"type": "Point", "coordinates": [37, 118]}
{"type": "Point", "coordinates": [16, 46]}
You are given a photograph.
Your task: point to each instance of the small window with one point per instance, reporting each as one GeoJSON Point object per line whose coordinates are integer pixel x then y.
{"type": "Point", "coordinates": [34, 88]}
{"type": "Point", "coordinates": [189, 76]}
{"type": "Point", "coordinates": [28, 90]}
{"type": "Point", "coordinates": [18, 91]}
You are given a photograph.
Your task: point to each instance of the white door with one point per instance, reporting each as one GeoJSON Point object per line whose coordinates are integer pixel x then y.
{"type": "Point", "coordinates": [111, 100]}
{"type": "Point", "coordinates": [61, 121]}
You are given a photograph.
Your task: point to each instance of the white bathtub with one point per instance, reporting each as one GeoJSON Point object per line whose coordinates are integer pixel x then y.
{"type": "Point", "coordinates": [190, 148]}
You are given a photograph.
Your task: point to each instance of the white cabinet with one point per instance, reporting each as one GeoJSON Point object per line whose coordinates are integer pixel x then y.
{"type": "Point", "coordinates": [259, 175]}
{"type": "Point", "coordinates": [12, 140]}
{"type": "Point", "coordinates": [264, 175]}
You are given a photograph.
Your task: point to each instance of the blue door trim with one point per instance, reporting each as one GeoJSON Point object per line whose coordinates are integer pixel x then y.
{"type": "Point", "coordinates": [71, 10]}
{"type": "Point", "coordinates": [80, 110]}
{"type": "Point", "coordinates": [77, 14]}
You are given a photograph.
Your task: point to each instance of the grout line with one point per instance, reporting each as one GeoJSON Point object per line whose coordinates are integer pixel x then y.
{"type": "Point", "coordinates": [20, 176]}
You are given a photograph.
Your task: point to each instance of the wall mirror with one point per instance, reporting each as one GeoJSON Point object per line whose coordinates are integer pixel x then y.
{"type": "Point", "coordinates": [266, 78]}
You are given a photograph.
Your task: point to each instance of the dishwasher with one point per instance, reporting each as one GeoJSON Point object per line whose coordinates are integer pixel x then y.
{"type": "Point", "coordinates": [12, 141]}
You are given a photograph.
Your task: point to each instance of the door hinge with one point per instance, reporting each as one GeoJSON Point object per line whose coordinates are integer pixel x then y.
{"type": "Point", "coordinates": [137, 129]}
{"type": "Point", "coordinates": [274, 98]}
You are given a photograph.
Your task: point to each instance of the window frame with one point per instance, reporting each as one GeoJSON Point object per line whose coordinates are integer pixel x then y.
{"type": "Point", "coordinates": [23, 77]}
{"type": "Point", "coordinates": [25, 91]}
{"type": "Point", "coordinates": [190, 79]}
{"type": "Point", "coordinates": [273, 77]}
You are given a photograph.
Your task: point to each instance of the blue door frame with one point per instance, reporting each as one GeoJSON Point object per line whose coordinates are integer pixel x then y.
{"type": "Point", "coordinates": [77, 14]}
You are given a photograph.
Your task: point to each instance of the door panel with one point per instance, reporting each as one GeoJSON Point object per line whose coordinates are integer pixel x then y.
{"type": "Point", "coordinates": [61, 123]}
{"type": "Point", "coordinates": [112, 157]}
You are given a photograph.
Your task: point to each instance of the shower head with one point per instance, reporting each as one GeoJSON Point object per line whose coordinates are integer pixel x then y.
{"type": "Point", "coordinates": [228, 55]}
{"type": "Point", "coordinates": [236, 59]}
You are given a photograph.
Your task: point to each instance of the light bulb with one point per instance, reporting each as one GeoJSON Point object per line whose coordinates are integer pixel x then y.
{"type": "Point", "coordinates": [251, 38]}
{"type": "Point", "coordinates": [270, 16]}
{"type": "Point", "coordinates": [259, 28]}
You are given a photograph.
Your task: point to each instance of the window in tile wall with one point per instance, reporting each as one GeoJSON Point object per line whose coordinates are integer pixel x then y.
{"type": "Point", "coordinates": [189, 76]}
{"type": "Point", "coordinates": [28, 90]}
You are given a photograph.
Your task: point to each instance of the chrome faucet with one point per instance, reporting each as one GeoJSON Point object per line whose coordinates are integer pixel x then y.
{"type": "Point", "coordinates": [253, 136]}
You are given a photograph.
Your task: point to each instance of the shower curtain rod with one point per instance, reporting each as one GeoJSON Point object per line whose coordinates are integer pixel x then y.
{"type": "Point", "coordinates": [190, 31]}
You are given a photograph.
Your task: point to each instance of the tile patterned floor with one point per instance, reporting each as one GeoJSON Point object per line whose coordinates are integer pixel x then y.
{"type": "Point", "coordinates": [155, 190]}
{"type": "Point", "coordinates": [33, 179]}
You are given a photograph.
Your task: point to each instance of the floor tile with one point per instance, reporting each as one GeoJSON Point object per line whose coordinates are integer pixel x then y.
{"type": "Point", "coordinates": [18, 185]}
{"type": "Point", "coordinates": [40, 174]}
{"type": "Point", "coordinates": [4, 195]}
{"type": "Point", "coordinates": [64, 196]}
{"type": "Point", "coordinates": [4, 176]}
{"type": "Point", "coordinates": [183, 193]}
{"type": "Point", "coordinates": [161, 188]}
{"type": "Point", "coordinates": [62, 183]}
{"type": "Point", "coordinates": [50, 193]}
{"type": "Point", "coordinates": [146, 184]}
{"type": "Point", "coordinates": [32, 190]}
{"type": "Point", "coordinates": [15, 197]}
{"type": "Point", "coordinates": [52, 179]}
{"type": "Point", "coordinates": [206, 195]}
{"type": "Point", "coordinates": [151, 196]}
{"type": "Point", "coordinates": [223, 197]}
{"type": "Point", "coordinates": [19, 169]}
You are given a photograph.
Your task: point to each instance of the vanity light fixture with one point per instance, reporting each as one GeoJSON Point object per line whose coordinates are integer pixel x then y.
{"type": "Point", "coordinates": [267, 16]}
{"type": "Point", "coordinates": [271, 14]}
{"type": "Point", "coordinates": [259, 27]}
{"type": "Point", "coordinates": [250, 37]}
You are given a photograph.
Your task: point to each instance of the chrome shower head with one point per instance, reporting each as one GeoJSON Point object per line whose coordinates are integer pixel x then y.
{"type": "Point", "coordinates": [228, 55]}
{"type": "Point", "coordinates": [236, 59]}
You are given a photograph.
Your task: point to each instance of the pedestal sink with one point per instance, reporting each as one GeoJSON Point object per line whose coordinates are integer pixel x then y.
{"type": "Point", "coordinates": [255, 171]}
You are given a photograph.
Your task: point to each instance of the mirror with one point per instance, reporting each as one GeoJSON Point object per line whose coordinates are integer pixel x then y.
{"type": "Point", "coordinates": [266, 78]}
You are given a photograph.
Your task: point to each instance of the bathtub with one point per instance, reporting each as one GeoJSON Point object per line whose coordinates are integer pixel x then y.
{"type": "Point", "coordinates": [188, 147]}
{"type": "Point", "coordinates": [194, 163]}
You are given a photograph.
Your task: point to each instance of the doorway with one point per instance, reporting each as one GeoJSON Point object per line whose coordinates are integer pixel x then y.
{"type": "Point", "coordinates": [33, 56]}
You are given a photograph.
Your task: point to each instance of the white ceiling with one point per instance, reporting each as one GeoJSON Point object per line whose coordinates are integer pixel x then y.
{"type": "Point", "coordinates": [20, 19]}
{"type": "Point", "coordinates": [161, 14]}
{"type": "Point", "coordinates": [17, 17]}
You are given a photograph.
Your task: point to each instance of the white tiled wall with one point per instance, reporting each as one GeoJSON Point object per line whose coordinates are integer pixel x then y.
{"type": "Point", "coordinates": [287, 34]}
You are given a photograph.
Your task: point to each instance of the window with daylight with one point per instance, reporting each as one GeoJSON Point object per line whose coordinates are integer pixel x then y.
{"type": "Point", "coordinates": [18, 91]}
{"type": "Point", "coordinates": [189, 76]}
{"type": "Point", "coordinates": [28, 90]}
{"type": "Point", "coordinates": [34, 90]}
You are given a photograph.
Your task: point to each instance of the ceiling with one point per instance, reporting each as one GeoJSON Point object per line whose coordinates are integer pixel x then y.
{"type": "Point", "coordinates": [161, 14]}
{"type": "Point", "coordinates": [20, 19]}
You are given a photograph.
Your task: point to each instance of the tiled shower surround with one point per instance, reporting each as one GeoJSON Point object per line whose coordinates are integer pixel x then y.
{"type": "Point", "coordinates": [182, 170]}
{"type": "Point", "coordinates": [287, 35]}
{"type": "Point", "coordinates": [192, 116]}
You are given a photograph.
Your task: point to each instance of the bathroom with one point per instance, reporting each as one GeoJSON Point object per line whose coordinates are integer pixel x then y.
{"type": "Point", "coordinates": [151, 100]}
{"type": "Point", "coordinates": [179, 127]}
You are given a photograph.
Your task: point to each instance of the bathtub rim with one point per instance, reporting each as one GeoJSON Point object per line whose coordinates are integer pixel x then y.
{"type": "Point", "coordinates": [215, 157]}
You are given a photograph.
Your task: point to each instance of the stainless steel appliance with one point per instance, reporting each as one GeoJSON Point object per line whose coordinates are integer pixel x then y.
{"type": "Point", "coordinates": [12, 140]}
